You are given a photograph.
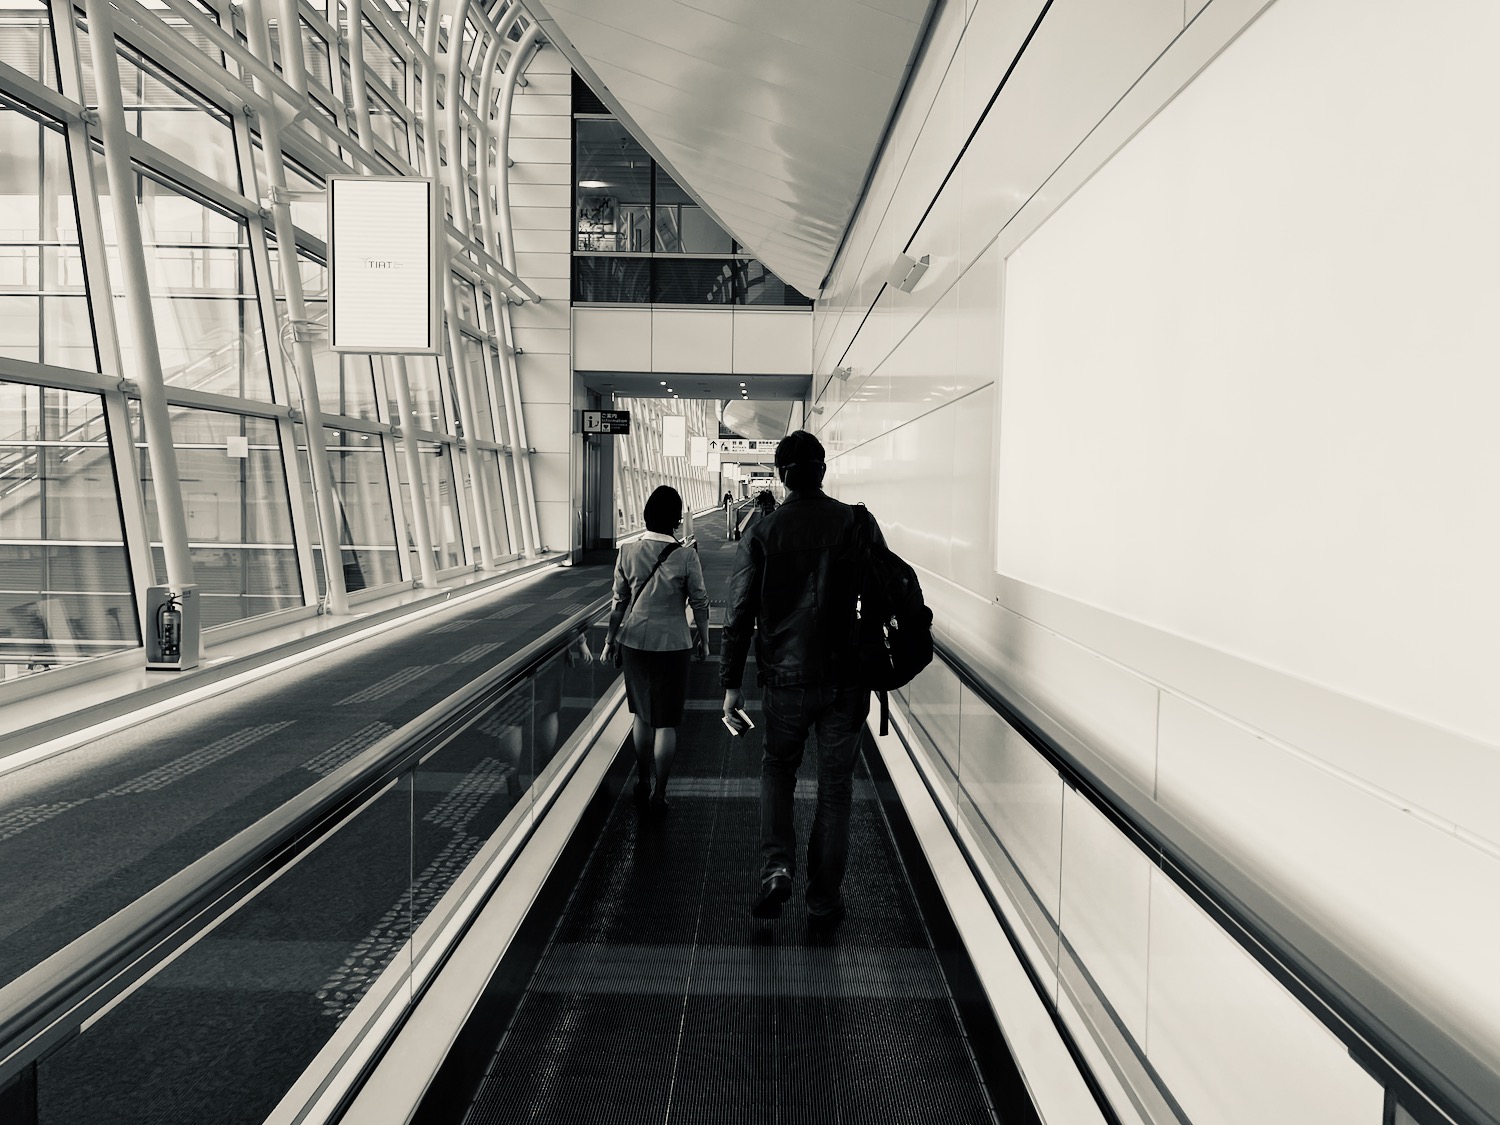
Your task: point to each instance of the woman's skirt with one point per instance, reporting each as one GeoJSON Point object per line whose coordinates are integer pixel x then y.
{"type": "Point", "coordinates": [655, 684]}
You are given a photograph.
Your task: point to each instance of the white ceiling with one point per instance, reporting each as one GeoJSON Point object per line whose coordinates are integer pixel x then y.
{"type": "Point", "coordinates": [769, 112]}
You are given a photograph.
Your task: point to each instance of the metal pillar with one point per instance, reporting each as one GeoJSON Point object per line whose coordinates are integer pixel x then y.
{"type": "Point", "coordinates": [172, 519]}
{"type": "Point", "coordinates": [303, 373]}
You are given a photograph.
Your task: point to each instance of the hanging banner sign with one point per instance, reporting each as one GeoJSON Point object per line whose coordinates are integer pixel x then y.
{"type": "Point", "coordinates": [730, 470]}
{"type": "Point", "coordinates": [698, 450]}
{"type": "Point", "coordinates": [382, 266]}
{"type": "Point", "coordinates": [674, 435]}
{"type": "Point", "coordinates": [713, 462]}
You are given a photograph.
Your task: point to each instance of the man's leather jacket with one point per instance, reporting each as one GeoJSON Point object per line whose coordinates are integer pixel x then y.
{"type": "Point", "coordinates": [793, 590]}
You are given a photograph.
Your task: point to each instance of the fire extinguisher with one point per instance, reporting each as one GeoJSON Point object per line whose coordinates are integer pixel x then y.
{"type": "Point", "coordinates": [169, 627]}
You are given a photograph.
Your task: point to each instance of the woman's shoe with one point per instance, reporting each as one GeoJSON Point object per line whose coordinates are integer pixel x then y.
{"type": "Point", "coordinates": [642, 793]}
{"type": "Point", "coordinates": [659, 807]}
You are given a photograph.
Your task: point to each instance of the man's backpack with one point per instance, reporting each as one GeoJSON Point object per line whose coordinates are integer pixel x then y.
{"type": "Point", "coordinates": [893, 630]}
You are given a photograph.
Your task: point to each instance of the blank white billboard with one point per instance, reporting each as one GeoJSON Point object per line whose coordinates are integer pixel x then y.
{"type": "Point", "coordinates": [674, 435]}
{"type": "Point", "coordinates": [698, 450]}
{"type": "Point", "coordinates": [382, 280]}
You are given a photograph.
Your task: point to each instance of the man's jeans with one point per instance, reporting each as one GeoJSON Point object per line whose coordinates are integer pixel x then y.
{"type": "Point", "coordinates": [836, 716]}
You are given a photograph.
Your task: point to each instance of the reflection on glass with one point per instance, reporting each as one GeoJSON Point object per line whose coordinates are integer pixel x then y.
{"type": "Point", "coordinates": [161, 109]}
{"type": "Point", "coordinates": [612, 280]}
{"type": "Point", "coordinates": [479, 384]}
{"type": "Point", "coordinates": [426, 394]}
{"type": "Point", "coordinates": [682, 227]}
{"type": "Point", "coordinates": [26, 41]}
{"type": "Point", "coordinates": [362, 510]}
{"type": "Point", "coordinates": [44, 316]}
{"type": "Point", "coordinates": [238, 513]}
{"type": "Point", "coordinates": [465, 790]}
{"type": "Point", "coordinates": [499, 509]}
{"type": "Point", "coordinates": [442, 503]}
{"type": "Point", "coordinates": [222, 1032]}
{"type": "Point", "coordinates": [721, 281]}
{"type": "Point", "coordinates": [614, 189]}
{"type": "Point", "coordinates": [203, 302]}
{"type": "Point", "coordinates": [65, 589]}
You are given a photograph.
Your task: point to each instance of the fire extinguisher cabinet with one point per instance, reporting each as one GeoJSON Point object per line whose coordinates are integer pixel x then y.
{"type": "Point", "coordinates": [171, 628]}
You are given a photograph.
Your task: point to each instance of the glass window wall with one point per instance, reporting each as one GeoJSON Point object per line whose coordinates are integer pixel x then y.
{"type": "Point", "coordinates": [65, 584]}
{"type": "Point", "coordinates": [44, 310]}
{"type": "Point", "coordinates": [239, 517]}
{"type": "Point", "coordinates": [627, 204]}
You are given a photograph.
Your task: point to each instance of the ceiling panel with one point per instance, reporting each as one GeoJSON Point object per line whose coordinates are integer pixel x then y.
{"type": "Point", "coordinates": [769, 112]}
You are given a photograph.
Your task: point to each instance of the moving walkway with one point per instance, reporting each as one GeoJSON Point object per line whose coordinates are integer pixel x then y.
{"type": "Point", "coordinates": [471, 921]}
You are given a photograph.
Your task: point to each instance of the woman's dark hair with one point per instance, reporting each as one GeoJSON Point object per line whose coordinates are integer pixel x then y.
{"type": "Point", "coordinates": [765, 500]}
{"type": "Point", "coordinates": [663, 510]}
{"type": "Point", "coordinates": [799, 460]}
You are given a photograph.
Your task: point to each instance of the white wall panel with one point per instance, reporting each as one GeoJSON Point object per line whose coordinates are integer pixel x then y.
{"type": "Point", "coordinates": [1106, 908]}
{"type": "Point", "coordinates": [549, 195]}
{"type": "Point", "coordinates": [612, 339]}
{"type": "Point", "coordinates": [544, 242]}
{"type": "Point", "coordinates": [533, 268]}
{"type": "Point", "coordinates": [772, 343]}
{"type": "Point", "coordinates": [692, 340]}
{"type": "Point", "coordinates": [1230, 1043]}
{"type": "Point", "coordinates": [541, 150]}
{"type": "Point", "coordinates": [554, 315]}
{"type": "Point", "coordinates": [549, 425]}
{"type": "Point", "coordinates": [545, 378]}
{"type": "Point", "coordinates": [541, 218]}
{"type": "Point", "coordinates": [972, 490]}
{"type": "Point", "coordinates": [542, 341]}
{"type": "Point", "coordinates": [1218, 434]}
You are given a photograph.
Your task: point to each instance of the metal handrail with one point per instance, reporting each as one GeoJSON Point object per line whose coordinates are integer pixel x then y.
{"type": "Point", "coordinates": [1398, 1052]}
{"type": "Point", "coordinates": [52, 1001]}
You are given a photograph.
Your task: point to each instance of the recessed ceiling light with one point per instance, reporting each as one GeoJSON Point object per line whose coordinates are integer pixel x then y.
{"type": "Point", "coordinates": [664, 382]}
{"type": "Point", "coordinates": [593, 183]}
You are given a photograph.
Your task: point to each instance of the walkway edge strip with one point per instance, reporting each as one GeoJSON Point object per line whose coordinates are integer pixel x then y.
{"type": "Point", "coordinates": [1058, 1091]}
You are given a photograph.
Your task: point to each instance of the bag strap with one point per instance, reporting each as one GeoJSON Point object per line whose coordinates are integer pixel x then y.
{"type": "Point", "coordinates": [635, 597]}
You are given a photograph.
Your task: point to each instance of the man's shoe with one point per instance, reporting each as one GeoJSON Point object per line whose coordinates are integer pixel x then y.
{"type": "Point", "coordinates": [775, 889]}
{"type": "Point", "coordinates": [827, 920]}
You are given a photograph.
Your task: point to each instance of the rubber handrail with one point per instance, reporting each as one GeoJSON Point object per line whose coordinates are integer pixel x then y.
{"type": "Point", "coordinates": [51, 1001]}
{"type": "Point", "coordinates": [1339, 990]}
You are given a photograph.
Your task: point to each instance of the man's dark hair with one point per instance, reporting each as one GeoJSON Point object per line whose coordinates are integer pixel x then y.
{"type": "Point", "coordinates": [799, 460]}
{"type": "Point", "coordinates": [663, 510]}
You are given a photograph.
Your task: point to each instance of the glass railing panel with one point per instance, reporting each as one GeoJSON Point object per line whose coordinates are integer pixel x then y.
{"type": "Point", "coordinates": [222, 1032]}
{"type": "Point", "coordinates": [1013, 799]}
{"type": "Point", "coordinates": [1229, 1042]}
{"type": "Point", "coordinates": [932, 700]}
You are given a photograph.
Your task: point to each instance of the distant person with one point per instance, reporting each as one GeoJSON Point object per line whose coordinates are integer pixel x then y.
{"type": "Point", "coordinates": [792, 590]}
{"type": "Point", "coordinates": [648, 635]}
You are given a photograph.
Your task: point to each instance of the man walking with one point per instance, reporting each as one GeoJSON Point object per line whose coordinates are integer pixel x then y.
{"type": "Point", "coordinates": [792, 589]}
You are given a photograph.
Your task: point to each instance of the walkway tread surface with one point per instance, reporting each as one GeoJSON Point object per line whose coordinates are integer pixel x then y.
{"type": "Point", "coordinates": [659, 999]}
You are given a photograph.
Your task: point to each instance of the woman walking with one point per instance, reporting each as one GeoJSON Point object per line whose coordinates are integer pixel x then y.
{"type": "Point", "coordinates": [648, 632]}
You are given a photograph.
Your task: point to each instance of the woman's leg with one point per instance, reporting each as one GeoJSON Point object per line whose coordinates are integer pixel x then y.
{"type": "Point", "coordinates": [642, 737]}
{"type": "Point", "coordinates": [666, 750]}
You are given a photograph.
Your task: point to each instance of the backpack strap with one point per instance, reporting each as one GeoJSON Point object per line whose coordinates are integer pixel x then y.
{"type": "Point", "coordinates": [635, 596]}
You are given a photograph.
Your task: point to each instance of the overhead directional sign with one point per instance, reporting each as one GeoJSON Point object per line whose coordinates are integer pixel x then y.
{"type": "Point", "coordinates": [606, 421]}
{"type": "Point", "coordinates": [740, 445]}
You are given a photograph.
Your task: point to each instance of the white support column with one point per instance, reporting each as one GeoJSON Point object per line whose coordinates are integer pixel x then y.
{"type": "Point", "coordinates": [421, 525]}
{"type": "Point", "coordinates": [166, 483]}
{"type": "Point", "coordinates": [520, 56]}
{"type": "Point", "coordinates": [325, 497]}
{"type": "Point", "coordinates": [433, 75]}
{"type": "Point", "coordinates": [86, 192]}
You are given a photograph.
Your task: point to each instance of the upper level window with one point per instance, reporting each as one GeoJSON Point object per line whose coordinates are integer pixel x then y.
{"type": "Point", "coordinates": [641, 238]}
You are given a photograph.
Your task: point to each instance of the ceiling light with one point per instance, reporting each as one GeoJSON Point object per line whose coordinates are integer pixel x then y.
{"type": "Point", "coordinates": [664, 382]}
{"type": "Point", "coordinates": [592, 183]}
